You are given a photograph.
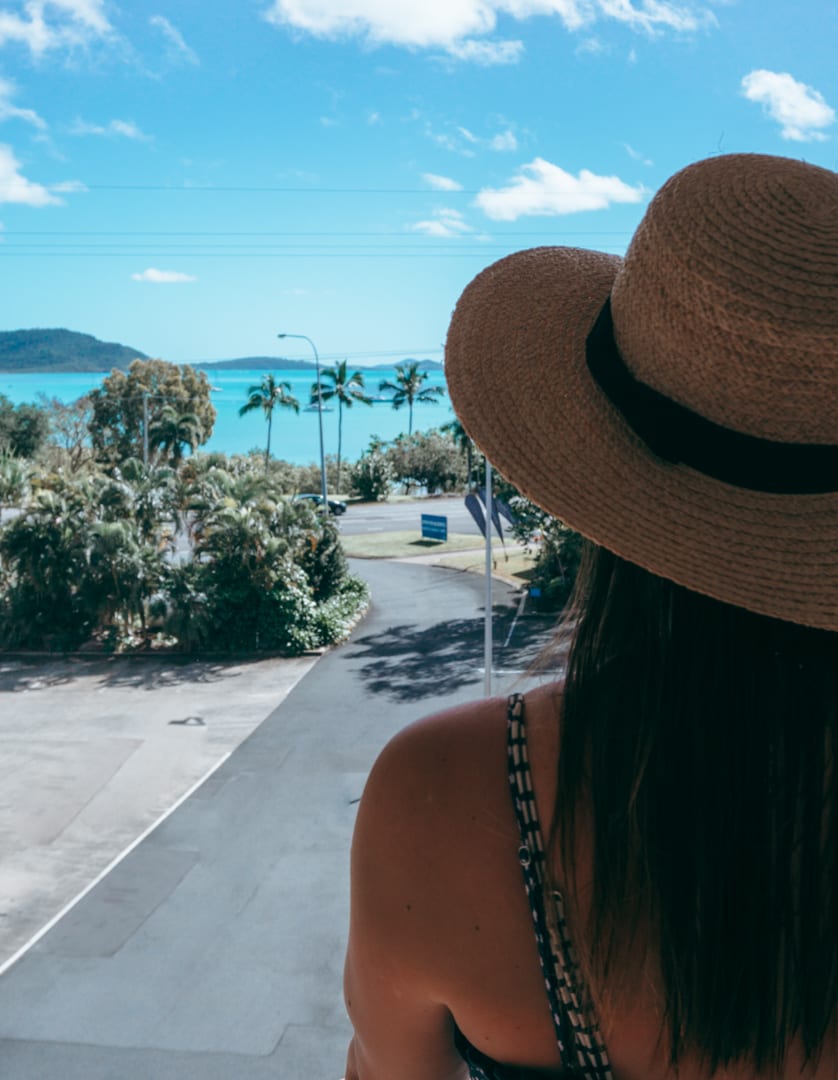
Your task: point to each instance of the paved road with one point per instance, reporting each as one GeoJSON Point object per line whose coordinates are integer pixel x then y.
{"type": "Point", "coordinates": [398, 516]}
{"type": "Point", "coordinates": [214, 950]}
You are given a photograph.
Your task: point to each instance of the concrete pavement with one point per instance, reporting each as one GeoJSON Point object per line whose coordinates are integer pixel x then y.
{"type": "Point", "coordinates": [215, 948]}
{"type": "Point", "coordinates": [95, 750]}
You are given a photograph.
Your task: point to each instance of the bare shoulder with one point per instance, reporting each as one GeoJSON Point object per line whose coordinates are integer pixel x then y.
{"type": "Point", "coordinates": [457, 744]}
{"type": "Point", "coordinates": [426, 775]}
{"type": "Point", "coordinates": [438, 793]}
{"type": "Point", "coordinates": [454, 761]}
{"type": "Point", "coordinates": [435, 876]}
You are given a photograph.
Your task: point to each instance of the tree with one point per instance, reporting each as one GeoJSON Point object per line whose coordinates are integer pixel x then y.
{"type": "Point", "coordinates": [267, 396]}
{"type": "Point", "coordinates": [23, 428]}
{"type": "Point", "coordinates": [430, 459]}
{"type": "Point", "coordinates": [346, 388]}
{"type": "Point", "coordinates": [372, 475]}
{"type": "Point", "coordinates": [408, 389]}
{"type": "Point", "coordinates": [116, 427]}
{"type": "Point", "coordinates": [14, 480]}
{"type": "Point", "coordinates": [172, 431]}
{"type": "Point", "coordinates": [460, 436]}
{"type": "Point", "coordinates": [69, 427]}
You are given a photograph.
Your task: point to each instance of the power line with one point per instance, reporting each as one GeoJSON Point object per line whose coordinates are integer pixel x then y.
{"type": "Point", "coordinates": [263, 232]}
{"type": "Point", "coordinates": [225, 188]}
{"type": "Point", "coordinates": [272, 255]}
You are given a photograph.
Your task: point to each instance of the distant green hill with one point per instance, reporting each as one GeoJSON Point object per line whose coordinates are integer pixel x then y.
{"type": "Point", "coordinates": [66, 350]}
{"type": "Point", "coordinates": [61, 350]}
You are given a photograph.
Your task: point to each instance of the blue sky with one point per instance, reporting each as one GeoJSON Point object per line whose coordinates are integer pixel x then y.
{"type": "Point", "coordinates": [191, 178]}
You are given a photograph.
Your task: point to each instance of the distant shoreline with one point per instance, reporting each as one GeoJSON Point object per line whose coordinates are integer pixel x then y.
{"type": "Point", "coordinates": [255, 363]}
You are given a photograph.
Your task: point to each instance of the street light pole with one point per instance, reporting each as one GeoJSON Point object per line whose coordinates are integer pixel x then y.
{"type": "Point", "coordinates": [303, 337]}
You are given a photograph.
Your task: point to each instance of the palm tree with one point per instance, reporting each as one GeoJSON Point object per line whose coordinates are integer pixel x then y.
{"type": "Point", "coordinates": [347, 389]}
{"type": "Point", "coordinates": [171, 431]}
{"type": "Point", "coordinates": [460, 436]}
{"type": "Point", "coordinates": [408, 389]}
{"type": "Point", "coordinates": [266, 396]}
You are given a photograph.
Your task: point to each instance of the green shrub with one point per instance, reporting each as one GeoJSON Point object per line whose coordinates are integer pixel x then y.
{"type": "Point", "coordinates": [324, 562]}
{"type": "Point", "coordinates": [372, 476]}
{"type": "Point", "coordinates": [336, 616]}
{"type": "Point", "coordinates": [557, 565]}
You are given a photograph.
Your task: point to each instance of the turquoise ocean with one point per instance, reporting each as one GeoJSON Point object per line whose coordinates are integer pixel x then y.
{"type": "Point", "coordinates": [294, 437]}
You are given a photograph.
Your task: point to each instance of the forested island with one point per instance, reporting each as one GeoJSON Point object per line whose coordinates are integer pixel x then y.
{"type": "Point", "coordinates": [34, 351]}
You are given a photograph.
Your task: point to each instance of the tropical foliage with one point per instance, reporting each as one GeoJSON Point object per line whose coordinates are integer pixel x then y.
{"type": "Point", "coordinates": [372, 475]}
{"type": "Point", "coordinates": [23, 429]}
{"type": "Point", "coordinates": [267, 396]}
{"type": "Point", "coordinates": [430, 460]}
{"type": "Point", "coordinates": [408, 389]}
{"type": "Point", "coordinates": [346, 389]}
{"type": "Point", "coordinates": [167, 395]}
{"type": "Point", "coordinates": [170, 433]}
{"type": "Point", "coordinates": [212, 558]}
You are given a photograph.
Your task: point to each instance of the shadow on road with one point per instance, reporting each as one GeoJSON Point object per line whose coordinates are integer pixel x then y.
{"type": "Point", "coordinates": [409, 664]}
{"type": "Point", "coordinates": [141, 672]}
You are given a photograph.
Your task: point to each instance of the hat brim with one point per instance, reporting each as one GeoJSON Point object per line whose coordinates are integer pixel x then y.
{"type": "Point", "coordinates": [519, 382]}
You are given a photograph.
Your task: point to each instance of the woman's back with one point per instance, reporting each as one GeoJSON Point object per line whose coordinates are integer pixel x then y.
{"type": "Point", "coordinates": [439, 798]}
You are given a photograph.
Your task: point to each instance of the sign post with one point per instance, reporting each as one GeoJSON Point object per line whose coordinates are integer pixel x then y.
{"type": "Point", "coordinates": [487, 622]}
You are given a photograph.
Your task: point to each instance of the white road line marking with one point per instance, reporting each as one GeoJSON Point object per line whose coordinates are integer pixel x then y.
{"type": "Point", "coordinates": [111, 865]}
{"type": "Point", "coordinates": [518, 615]}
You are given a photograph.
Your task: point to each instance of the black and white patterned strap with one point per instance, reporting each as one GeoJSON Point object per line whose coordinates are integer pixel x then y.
{"type": "Point", "coordinates": [580, 1043]}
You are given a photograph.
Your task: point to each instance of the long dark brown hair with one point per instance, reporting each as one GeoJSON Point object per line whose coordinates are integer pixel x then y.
{"type": "Point", "coordinates": [699, 737]}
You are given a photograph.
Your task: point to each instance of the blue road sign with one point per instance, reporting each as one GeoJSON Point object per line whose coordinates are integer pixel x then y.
{"type": "Point", "coordinates": [434, 527]}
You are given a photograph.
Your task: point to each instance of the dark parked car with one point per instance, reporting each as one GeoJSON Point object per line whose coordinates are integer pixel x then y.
{"type": "Point", "coordinates": [335, 505]}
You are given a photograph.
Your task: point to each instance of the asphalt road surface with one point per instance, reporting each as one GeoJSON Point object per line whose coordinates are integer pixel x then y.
{"type": "Point", "coordinates": [401, 516]}
{"type": "Point", "coordinates": [214, 950]}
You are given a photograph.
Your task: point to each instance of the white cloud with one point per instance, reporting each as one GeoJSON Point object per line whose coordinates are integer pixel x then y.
{"type": "Point", "coordinates": [441, 183]}
{"type": "Point", "coordinates": [799, 108]}
{"type": "Point", "coordinates": [447, 141]}
{"type": "Point", "coordinates": [486, 53]}
{"type": "Point", "coordinates": [444, 223]}
{"type": "Point", "coordinates": [67, 187]}
{"type": "Point", "coordinates": [15, 188]}
{"type": "Point", "coordinates": [8, 111]}
{"type": "Point", "coordinates": [42, 25]}
{"type": "Point", "coordinates": [174, 39]}
{"type": "Point", "coordinates": [463, 28]}
{"type": "Point", "coordinates": [162, 277]}
{"type": "Point", "coordinates": [592, 46]}
{"type": "Point", "coordinates": [543, 188]}
{"type": "Point", "coordinates": [462, 141]}
{"type": "Point", "coordinates": [125, 129]}
{"type": "Point", "coordinates": [635, 155]}
{"type": "Point", "coordinates": [504, 141]}
{"type": "Point", "coordinates": [373, 118]}
{"type": "Point", "coordinates": [653, 16]}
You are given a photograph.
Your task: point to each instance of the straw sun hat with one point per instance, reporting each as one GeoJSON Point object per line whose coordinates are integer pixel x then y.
{"type": "Point", "coordinates": [678, 406]}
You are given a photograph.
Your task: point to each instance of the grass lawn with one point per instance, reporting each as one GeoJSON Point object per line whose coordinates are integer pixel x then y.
{"type": "Point", "coordinates": [517, 568]}
{"type": "Point", "coordinates": [397, 545]}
